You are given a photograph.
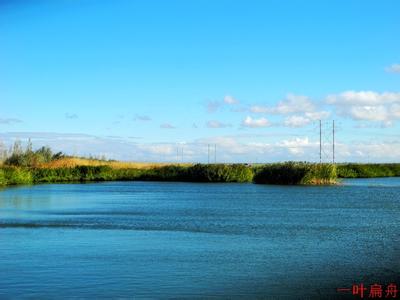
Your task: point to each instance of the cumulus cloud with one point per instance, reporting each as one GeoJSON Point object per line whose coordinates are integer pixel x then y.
{"type": "Point", "coordinates": [304, 120]}
{"type": "Point", "coordinates": [213, 106]}
{"type": "Point", "coordinates": [367, 105]}
{"type": "Point", "coordinates": [230, 100]}
{"type": "Point", "coordinates": [296, 121]}
{"type": "Point", "coordinates": [395, 68]}
{"type": "Point", "coordinates": [296, 146]}
{"type": "Point", "coordinates": [292, 104]}
{"type": "Point", "coordinates": [167, 126]}
{"type": "Point", "coordinates": [259, 109]}
{"type": "Point", "coordinates": [317, 115]}
{"type": "Point", "coordinates": [143, 118]}
{"type": "Point", "coordinates": [229, 148]}
{"type": "Point", "coordinates": [363, 98]}
{"type": "Point", "coordinates": [255, 123]}
{"type": "Point", "coordinates": [9, 121]}
{"type": "Point", "coordinates": [217, 124]}
{"type": "Point", "coordinates": [71, 116]}
{"type": "Point", "coordinates": [299, 110]}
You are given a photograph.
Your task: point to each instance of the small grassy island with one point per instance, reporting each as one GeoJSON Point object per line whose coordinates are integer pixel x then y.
{"type": "Point", "coordinates": [43, 166]}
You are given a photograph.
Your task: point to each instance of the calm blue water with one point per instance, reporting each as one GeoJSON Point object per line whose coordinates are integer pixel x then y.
{"type": "Point", "coordinates": [188, 240]}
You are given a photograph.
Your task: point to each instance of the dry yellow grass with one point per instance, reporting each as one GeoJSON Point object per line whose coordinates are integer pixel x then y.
{"type": "Point", "coordinates": [70, 162]}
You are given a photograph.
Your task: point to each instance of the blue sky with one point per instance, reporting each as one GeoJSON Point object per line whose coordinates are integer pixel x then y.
{"type": "Point", "coordinates": [139, 80]}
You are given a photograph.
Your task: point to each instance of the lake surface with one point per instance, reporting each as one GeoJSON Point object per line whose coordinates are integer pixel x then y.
{"type": "Point", "coordinates": [192, 240]}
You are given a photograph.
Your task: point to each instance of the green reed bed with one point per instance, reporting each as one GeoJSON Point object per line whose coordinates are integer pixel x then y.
{"type": "Point", "coordinates": [355, 170]}
{"type": "Point", "coordinates": [288, 173]}
{"type": "Point", "coordinates": [197, 173]}
{"type": "Point", "coordinates": [294, 173]}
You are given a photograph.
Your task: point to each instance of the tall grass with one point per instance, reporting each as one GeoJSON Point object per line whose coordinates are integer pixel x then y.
{"type": "Point", "coordinates": [220, 173]}
{"type": "Point", "coordinates": [28, 157]}
{"type": "Point", "coordinates": [295, 173]}
{"type": "Point", "coordinates": [195, 173]}
{"type": "Point", "coordinates": [15, 175]}
{"type": "Point", "coordinates": [70, 162]}
{"type": "Point", "coordinates": [353, 170]}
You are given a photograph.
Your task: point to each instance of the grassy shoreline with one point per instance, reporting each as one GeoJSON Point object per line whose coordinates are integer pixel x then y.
{"type": "Point", "coordinates": [289, 173]}
{"type": "Point", "coordinates": [28, 166]}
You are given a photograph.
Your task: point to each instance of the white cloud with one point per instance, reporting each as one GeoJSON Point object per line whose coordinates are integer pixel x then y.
{"type": "Point", "coordinates": [301, 110]}
{"type": "Point", "coordinates": [395, 68]}
{"type": "Point", "coordinates": [367, 105]}
{"type": "Point", "coordinates": [296, 121]}
{"type": "Point", "coordinates": [255, 123]}
{"type": "Point", "coordinates": [363, 98]}
{"type": "Point", "coordinates": [292, 104]}
{"type": "Point", "coordinates": [296, 146]}
{"type": "Point", "coordinates": [230, 100]}
{"type": "Point", "coordinates": [214, 106]}
{"type": "Point", "coordinates": [260, 109]}
{"type": "Point", "coordinates": [307, 118]}
{"type": "Point", "coordinates": [167, 126]}
{"type": "Point", "coordinates": [317, 115]}
{"type": "Point", "coordinates": [158, 149]}
{"type": "Point", "coordinates": [229, 149]}
{"type": "Point", "coordinates": [217, 124]}
{"type": "Point", "coordinates": [369, 113]}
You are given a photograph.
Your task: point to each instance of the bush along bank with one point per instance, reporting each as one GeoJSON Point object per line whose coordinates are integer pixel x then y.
{"type": "Point", "coordinates": [288, 173]}
{"type": "Point", "coordinates": [353, 170]}
{"type": "Point", "coordinates": [293, 173]}
{"type": "Point", "coordinates": [195, 173]}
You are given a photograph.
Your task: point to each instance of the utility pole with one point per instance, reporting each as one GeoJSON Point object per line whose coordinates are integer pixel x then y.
{"type": "Point", "coordinates": [215, 153]}
{"type": "Point", "coordinates": [320, 141]}
{"type": "Point", "coordinates": [208, 160]}
{"type": "Point", "coordinates": [333, 141]}
{"type": "Point", "coordinates": [182, 154]}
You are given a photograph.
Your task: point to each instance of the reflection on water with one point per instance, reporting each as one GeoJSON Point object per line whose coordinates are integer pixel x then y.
{"type": "Point", "coordinates": [166, 240]}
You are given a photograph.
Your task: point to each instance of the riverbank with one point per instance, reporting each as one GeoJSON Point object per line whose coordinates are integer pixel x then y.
{"type": "Point", "coordinates": [288, 173]}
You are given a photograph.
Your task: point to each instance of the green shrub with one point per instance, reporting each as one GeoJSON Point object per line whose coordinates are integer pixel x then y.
{"type": "Point", "coordinates": [295, 173]}
{"type": "Point", "coordinates": [15, 175]}
{"type": "Point", "coordinates": [368, 170]}
{"type": "Point", "coordinates": [28, 157]}
{"type": "Point", "coordinates": [79, 173]}
{"type": "Point", "coordinates": [3, 180]}
{"type": "Point", "coordinates": [220, 173]}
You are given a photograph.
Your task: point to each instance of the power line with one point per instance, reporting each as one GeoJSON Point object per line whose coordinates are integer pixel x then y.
{"type": "Point", "coordinates": [325, 140]}
{"type": "Point", "coordinates": [182, 154]}
{"type": "Point", "coordinates": [215, 153]}
{"type": "Point", "coordinates": [208, 160]}
{"type": "Point", "coordinates": [320, 141]}
{"type": "Point", "coordinates": [333, 141]}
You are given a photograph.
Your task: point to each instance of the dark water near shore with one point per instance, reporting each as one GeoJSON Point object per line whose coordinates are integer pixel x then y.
{"type": "Point", "coordinates": [188, 240]}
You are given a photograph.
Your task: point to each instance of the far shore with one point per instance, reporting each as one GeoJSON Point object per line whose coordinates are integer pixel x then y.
{"type": "Point", "coordinates": [73, 169]}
